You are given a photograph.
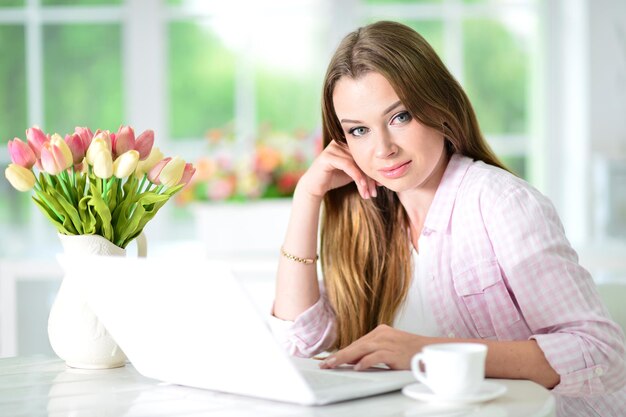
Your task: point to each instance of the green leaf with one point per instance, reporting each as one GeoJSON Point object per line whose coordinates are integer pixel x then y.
{"type": "Point", "coordinates": [151, 203]}
{"type": "Point", "coordinates": [131, 225]}
{"type": "Point", "coordinates": [102, 211]}
{"type": "Point", "coordinates": [59, 211]}
{"type": "Point", "coordinates": [142, 211]}
{"type": "Point", "coordinates": [88, 219]}
{"type": "Point", "coordinates": [121, 216]}
{"type": "Point", "coordinates": [51, 216]}
{"type": "Point", "coordinates": [71, 211]}
{"type": "Point", "coordinates": [173, 190]}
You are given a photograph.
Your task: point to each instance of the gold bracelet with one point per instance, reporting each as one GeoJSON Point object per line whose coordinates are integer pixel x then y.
{"type": "Point", "coordinates": [306, 261]}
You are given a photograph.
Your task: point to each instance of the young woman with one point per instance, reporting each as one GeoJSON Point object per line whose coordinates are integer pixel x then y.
{"type": "Point", "coordinates": [426, 238]}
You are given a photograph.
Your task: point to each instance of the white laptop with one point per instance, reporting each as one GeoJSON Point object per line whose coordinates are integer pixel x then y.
{"type": "Point", "coordinates": [190, 322]}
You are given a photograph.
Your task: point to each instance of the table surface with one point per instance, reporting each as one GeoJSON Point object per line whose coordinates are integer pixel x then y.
{"type": "Point", "coordinates": [38, 386]}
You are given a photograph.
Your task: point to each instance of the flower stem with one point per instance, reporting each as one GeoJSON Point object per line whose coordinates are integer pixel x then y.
{"type": "Point", "coordinates": [143, 180]}
{"type": "Point", "coordinates": [64, 180]}
{"type": "Point", "coordinates": [105, 189]}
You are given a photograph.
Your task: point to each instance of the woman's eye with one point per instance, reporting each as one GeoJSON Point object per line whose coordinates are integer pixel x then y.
{"type": "Point", "coordinates": [401, 117]}
{"type": "Point", "coordinates": [358, 131]}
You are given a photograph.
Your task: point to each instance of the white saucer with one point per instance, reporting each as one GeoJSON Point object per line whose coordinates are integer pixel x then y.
{"type": "Point", "coordinates": [488, 391]}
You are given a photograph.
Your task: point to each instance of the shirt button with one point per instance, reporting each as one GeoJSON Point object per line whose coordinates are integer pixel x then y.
{"type": "Point", "coordinates": [599, 371]}
{"type": "Point", "coordinates": [451, 335]}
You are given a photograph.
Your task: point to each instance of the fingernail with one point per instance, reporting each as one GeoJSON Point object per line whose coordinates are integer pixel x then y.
{"type": "Point", "coordinates": [358, 366]}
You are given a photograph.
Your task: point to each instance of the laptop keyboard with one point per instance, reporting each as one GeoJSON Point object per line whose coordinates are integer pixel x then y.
{"type": "Point", "coordinates": [320, 379]}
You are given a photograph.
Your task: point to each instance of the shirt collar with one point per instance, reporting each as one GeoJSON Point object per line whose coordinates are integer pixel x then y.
{"type": "Point", "coordinates": [440, 211]}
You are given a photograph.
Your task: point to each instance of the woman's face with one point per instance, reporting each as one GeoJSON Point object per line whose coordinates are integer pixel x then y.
{"type": "Point", "coordinates": [386, 142]}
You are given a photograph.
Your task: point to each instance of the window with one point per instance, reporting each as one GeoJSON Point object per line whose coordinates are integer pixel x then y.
{"type": "Point", "coordinates": [207, 69]}
{"type": "Point", "coordinates": [201, 80]}
{"type": "Point", "coordinates": [62, 67]}
{"type": "Point", "coordinates": [88, 91]}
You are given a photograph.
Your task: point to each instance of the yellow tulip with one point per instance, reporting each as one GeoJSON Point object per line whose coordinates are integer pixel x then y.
{"type": "Point", "coordinates": [103, 164]}
{"type": "Point", "coordinates": [104, 135]}
{"type": "Point", "coordinates": [125, 164]}
{"type": "Point", "coordinates": [143, 167]}
{"type": "Point", "coordinates": [172, 172]}
{"type": "Point", "coordinates": [97, 145]}
{"type": "Point", "coordinates": [22, 179]}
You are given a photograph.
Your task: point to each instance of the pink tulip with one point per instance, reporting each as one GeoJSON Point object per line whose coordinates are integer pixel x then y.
{"type": "Point", "coordinates": [85, 135]}
{"type": "Point", "coordinates": [144, 144]}
{"type": "Point", "coordinates": [187, 174]}
{"type": "Point", "coordinates": [123, 141]}
{"type": "Point", "coordinates": [21, 153]}
{"type": "Point", "coordinates": [155, 172]}
{"type": "Point", "coordinates": [57, 141]}
{"type": "Point", "coordinates": [36, 138]}
{"type": "Point", "coordinates": [77, 146]}
{"type": "Point", "coordinates": [52, 159]}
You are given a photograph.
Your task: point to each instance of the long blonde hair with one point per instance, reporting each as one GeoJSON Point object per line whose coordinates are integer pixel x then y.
{"type": "Point", "coordinates": [365, 251]}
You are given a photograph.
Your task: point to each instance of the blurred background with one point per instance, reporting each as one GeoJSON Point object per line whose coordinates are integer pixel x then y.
{"type": "Point", "coordinates": [234, 87]}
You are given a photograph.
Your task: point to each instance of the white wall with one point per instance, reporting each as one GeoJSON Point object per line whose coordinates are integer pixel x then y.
{"type": "Point", "coordinates": [582, 118]}
{"type": "Point", "coordinates": [607, 75]}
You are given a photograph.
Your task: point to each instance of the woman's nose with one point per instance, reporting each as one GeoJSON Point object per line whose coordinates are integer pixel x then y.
{"type": "Point", "coordinates": [385, 147]}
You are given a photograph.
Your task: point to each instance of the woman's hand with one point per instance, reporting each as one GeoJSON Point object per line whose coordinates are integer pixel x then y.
{"type": "Point", "coordinates": [511, 359]}
{"type": "Point", "coordinates": [384, 344]}
{"type": "Point", "coordinates": [334, 168]}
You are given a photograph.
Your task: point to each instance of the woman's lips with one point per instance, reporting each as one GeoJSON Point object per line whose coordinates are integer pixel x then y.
{"type": "Point", "coordinates": [396, 171]}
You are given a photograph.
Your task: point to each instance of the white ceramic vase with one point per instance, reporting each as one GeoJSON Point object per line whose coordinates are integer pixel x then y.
{"type": "Point", "coordinates": [76, 335]}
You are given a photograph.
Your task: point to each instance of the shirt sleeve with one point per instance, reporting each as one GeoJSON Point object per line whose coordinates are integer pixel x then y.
{"type": "Point", "coordinates": [312, 332]}
{"type": "Point", "coordinates": [556, 296]}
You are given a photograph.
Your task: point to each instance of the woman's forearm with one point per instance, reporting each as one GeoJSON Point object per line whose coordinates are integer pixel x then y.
{"type": "Point", "coordinates": [520, 360]}
{"type": "Point", "coordinates": [297, 286]}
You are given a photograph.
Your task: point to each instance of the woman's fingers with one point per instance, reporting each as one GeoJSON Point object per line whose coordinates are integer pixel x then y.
{"type": "Point", "coordinates": [382, 345]}
{"type": "Point", "coordinates": [355, 173]}
{"type": "Point", "coordinates": [367, 183]}
{"type": "Point", "coordinates": [375, 358]}
{"type": "Point", "coordinates": [343, 170]}
{"type": "Point", "coordinates": [350, 354]}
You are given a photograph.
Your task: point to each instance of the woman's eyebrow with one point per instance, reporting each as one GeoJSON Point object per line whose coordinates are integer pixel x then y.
{"type": "Point", "coordinates": [387, 110]}
{"type": "Point", "coordinates": [350, 121]}
{"type": "Point", "coordinates": [393, 106]}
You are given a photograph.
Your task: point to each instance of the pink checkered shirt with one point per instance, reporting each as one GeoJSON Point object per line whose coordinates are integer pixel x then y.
{"type": "Point", "coordinates": [502, 269]}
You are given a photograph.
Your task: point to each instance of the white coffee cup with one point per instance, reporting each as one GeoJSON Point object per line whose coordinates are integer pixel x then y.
{"type": "Point", "coordinates": [451, 369]}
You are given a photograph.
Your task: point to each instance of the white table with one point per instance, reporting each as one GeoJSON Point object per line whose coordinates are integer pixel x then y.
{"type": "Point", "coordinates": [31, 386]}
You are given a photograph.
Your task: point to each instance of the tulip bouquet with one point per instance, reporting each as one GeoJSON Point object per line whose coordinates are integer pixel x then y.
{"type": "Point", "coordinates": [103, 183]}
